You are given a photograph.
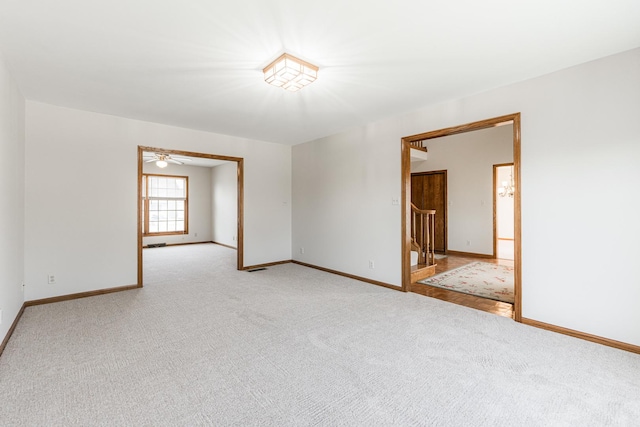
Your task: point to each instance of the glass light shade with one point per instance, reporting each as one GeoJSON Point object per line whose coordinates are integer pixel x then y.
{"type": "Point", "coordinates": [290, 73]}
{"type": "Point", "coordinates": [161, 164]}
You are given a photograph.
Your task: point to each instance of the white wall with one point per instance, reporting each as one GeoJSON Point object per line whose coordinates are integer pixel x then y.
{"type": "Point", "coordinates": [12, 192]}
{"type": "Point", "coordinates": [81, 196]}
{"type": "Point", "coordinates": [199, 202]}
{"type": "Point", "coordinates": [343, 216]}
{"type": "Point", "coordinates": [469, 159]}
{"type": "Point", "coordinates": [579, 128]}
{"type": "Point", "coordinates": [224, 204]}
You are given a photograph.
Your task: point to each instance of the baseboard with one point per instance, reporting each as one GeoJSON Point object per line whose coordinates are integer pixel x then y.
{"type": "Point", "coordinates": [470, 254]}
{"type": "Point", "coordinates": [577, 334]}
{"type": "Point", "coordinates": [226, 246]}
{"type": "Point", "coordinates": [80, 295]}
{"type": "Point", "coordinates": [180, 244]}
{"type": "Point", "coordinates": [11, 329]}
{"type": "Point", "coordinates": [350, 276]}
{"type": "Point", "coordinates": [269, 264]}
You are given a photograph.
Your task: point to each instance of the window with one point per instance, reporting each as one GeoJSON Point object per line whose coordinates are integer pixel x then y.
{"type": "Point", "coordinates": [164, 205]}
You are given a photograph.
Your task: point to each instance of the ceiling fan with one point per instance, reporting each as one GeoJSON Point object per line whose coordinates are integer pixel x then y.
{"type": "Point", "coordinates": [162, 159]}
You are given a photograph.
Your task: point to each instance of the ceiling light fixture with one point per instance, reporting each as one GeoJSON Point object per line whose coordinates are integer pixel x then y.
{"type": "Point", "coordinates": [161, 163]}
{"type": "Point", "coordinates": [508, 187]}
{"type": "Point", "coordinates": [290, 73]}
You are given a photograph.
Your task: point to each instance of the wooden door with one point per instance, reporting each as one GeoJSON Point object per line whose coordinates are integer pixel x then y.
{"type": "Point", "coordinates": [429, 191]}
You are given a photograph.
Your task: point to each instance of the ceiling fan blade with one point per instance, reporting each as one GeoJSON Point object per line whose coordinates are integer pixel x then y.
{"type": "Point", "coordinates": [172, 160]}
{"type": "Point", "coordinates": [150, 160]}
{"type": "Point", "coordinates": [181, 159]}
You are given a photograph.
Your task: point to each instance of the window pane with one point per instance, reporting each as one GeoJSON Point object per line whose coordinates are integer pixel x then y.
{"type": "Point", "coordinates": [167, 209]}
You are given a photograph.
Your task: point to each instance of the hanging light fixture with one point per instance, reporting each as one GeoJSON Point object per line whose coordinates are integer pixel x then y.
{"type": "Point", "coordinates": [508, 187]}
{"type": "Point", "coordinates": [290, 73]}
{"type": "Point", "coordinates": [161, 162]}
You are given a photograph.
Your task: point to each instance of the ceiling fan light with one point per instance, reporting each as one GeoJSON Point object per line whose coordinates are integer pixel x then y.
{"type": "Point", "coordinates": [161, 164]}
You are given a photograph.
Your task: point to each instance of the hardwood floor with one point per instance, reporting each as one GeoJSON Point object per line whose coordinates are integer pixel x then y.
{"type": "Point", "coordinates": [479, 303]}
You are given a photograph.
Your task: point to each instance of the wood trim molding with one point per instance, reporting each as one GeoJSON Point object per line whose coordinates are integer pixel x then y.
{"type": "Point", "coordinates": [471, 254]}
{"type": "Point", "coordinates": [405, 200]}
{"type": "Point", "coordinates": [577, 334]}
{"type": "Point", "coordinates": [79, 295]}
{"type": "Point", "coordinates": [139, 213]}
{"type": "Point", "coordinates": [12, 328]}
{"type": "Point", "coordinates": [515, 120]}
{"type": "Point", "coordinates": [517, 223]}
{"type": "Point", "coordinates": [468, 127]}
{"type": "Point", "coordinates": [240, 231]}
{"type": "Point", "coordinates": [268, 264]}
{"type": "Point", "coordinates": [350, 276]}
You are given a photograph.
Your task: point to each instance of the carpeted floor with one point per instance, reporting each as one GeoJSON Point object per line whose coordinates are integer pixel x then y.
{"type": "Point", "coordinates": [203, 344]}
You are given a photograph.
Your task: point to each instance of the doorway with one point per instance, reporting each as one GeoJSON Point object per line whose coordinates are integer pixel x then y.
{"type": "Point", "coordinates": [429, 191]}
{"type": "Point", "coordinates": [406, 142]}
{"type": "Point", "coordinates": [503, 207]}
{"type": "Point", "coordinates": [240, 199]}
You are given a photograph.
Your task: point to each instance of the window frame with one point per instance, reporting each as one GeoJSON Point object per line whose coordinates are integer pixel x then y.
{"type": "Point", "coordinates": [145, 205]}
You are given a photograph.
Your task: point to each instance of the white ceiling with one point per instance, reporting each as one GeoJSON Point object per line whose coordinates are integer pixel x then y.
{"type": "Point", "coordinates": [197, 63]}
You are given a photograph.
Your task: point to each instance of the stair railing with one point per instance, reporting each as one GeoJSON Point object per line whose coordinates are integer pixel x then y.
{"type": "Point", "coordinates": [423, 223]}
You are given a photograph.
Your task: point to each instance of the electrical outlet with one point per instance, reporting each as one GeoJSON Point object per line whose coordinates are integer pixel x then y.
{"type": "Point", "coordinates": [234, 238]}
{"type": "Point", "coordinates": [468, 242]}
{"type": "Point", "coordinates": [301, 249]}
{"type": "Point", "coordinates": [22, 287]}
{"type": "Point", "coordinates": [195, 234]}
{"type": "Point", "coordinates": [395, 201]}
{"type": "Point", "coordinates": [372, 264]}
{"type": "Point", "coordinates": [51, 279]}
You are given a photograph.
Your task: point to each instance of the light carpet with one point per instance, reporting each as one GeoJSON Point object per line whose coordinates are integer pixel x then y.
{"type": "Point", "coordinates": [203, 344]}
{"type": "Point", "coordinates": [482, 279]}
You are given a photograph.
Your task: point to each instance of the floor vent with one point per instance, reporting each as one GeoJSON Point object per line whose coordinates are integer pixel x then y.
{"type": "Point", "coordinates": [156, 245]}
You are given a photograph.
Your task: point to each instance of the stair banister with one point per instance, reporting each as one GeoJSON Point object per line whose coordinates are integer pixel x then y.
{"type": "Point", "coordinates": [422, 239]}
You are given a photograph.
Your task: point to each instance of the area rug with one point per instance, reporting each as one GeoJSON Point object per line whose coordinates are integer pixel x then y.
{"type": "Point", "coordinates": [478, 278]}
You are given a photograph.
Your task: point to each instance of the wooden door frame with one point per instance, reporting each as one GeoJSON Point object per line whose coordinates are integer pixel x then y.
{"type": "Point", "coordinates": [406, 197]}
{"type": "Point", "coordinates": [446, 219]}
{"type": "Point", "coordinates": [240, 182]}
{"type": "Point", "coordinates": [495, 206]}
